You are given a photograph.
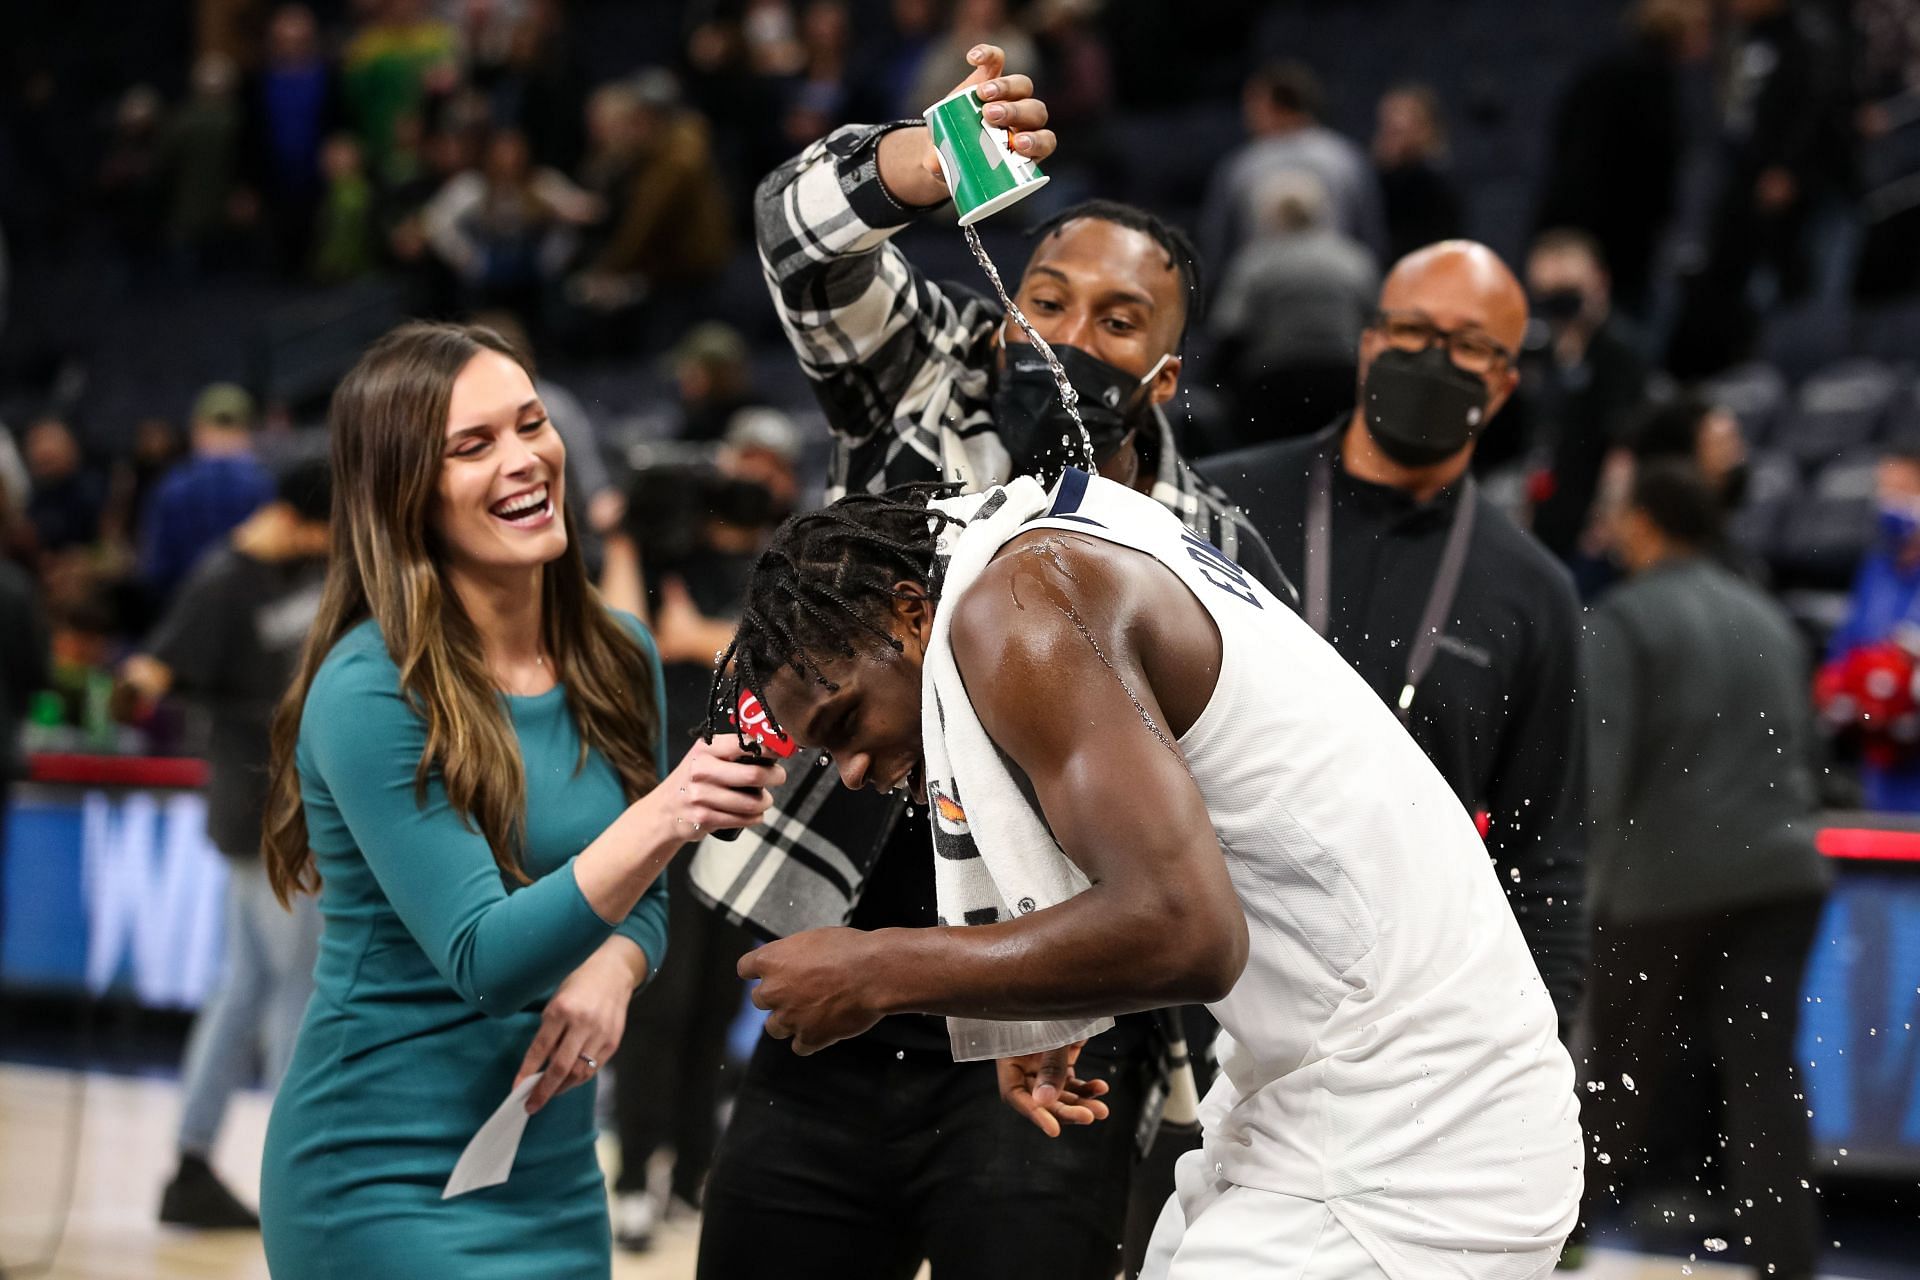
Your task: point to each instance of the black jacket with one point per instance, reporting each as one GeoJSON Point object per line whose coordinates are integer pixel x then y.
{"type": "Point", "coordinates": [1500, 714]}
{"type": "Point", "coordinates": [1563, 421]}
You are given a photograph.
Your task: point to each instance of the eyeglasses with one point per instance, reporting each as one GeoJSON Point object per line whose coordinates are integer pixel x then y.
{"type": "Point", "coordinates": [1470, 350]}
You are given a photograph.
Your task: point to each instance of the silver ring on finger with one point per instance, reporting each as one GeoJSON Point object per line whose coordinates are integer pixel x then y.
{"type": "Point", "coordinates": [591, 1064]}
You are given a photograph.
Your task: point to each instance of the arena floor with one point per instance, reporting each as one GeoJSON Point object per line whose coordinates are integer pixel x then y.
{"type": "Point", "coordinates": [125, 1158]}
{"type": "Point", "coordinates": [126, 1152]}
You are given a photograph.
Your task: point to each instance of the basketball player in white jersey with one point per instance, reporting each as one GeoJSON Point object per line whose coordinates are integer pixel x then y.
{"type": "Point", "coordinates": [1259, 834]}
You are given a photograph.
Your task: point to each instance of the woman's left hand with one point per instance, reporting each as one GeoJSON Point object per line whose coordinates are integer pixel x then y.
{"type": "Point", "coordinates": [583, 1023]}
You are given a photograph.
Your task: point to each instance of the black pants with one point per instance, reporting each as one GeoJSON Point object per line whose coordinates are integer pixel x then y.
{"type": "Point", "coordinates": [1732, 979]}
{"type": "Point", "coordinates": [865, 1159]}
{"type": "Point", "coordinates": [669, 1072]}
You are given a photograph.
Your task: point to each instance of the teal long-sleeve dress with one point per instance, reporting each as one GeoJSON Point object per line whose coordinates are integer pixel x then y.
{"type": "Point", "coordinates": [427, 992]}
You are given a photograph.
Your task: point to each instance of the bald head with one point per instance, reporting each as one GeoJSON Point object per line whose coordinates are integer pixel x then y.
{"type": "Point", "coordinates": [1460, 295]}
{"type": "Point", "coordinates": [1460, 284]}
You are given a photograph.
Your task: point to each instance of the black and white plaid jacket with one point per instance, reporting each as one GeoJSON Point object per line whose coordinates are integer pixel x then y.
{"type": "Point", "coordinates": [904, 370]}
{"type": "Point", "coordinates": [904, 367]}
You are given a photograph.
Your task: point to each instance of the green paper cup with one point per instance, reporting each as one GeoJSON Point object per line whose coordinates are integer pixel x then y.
{"type": "Point", "coordinates": [983, 171]}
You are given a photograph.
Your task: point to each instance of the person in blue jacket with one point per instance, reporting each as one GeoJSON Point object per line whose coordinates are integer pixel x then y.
{"type": "Point", "coordinates": [1885, 606]}
{"type": "Point", "coordinates": [466, 770]}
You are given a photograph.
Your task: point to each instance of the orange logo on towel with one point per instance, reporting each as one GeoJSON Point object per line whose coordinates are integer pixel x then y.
{"type": "Point", "coordinates": [949, 816]}
{"type": "Point", "coordinates": [949, 810]}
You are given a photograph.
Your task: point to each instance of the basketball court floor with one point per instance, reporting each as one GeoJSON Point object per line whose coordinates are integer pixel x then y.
{"type": "Point", "coordinates": [125, 1154]}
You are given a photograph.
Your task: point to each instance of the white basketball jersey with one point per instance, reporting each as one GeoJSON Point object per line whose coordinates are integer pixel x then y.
{"type": "Point", "coordinates": [1390, 1047]}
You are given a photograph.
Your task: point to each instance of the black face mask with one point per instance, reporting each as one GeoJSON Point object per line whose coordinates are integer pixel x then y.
{"type": "Point", "coordinates": [1033, 424]}
{"type": "Point", "coordinates": [1421, 407]}
{"type": "Point", "coordinates": [1559, 307]}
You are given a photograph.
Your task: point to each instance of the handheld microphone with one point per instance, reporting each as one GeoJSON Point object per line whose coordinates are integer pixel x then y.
{"type": "Point", "coordinates": [765, 744]}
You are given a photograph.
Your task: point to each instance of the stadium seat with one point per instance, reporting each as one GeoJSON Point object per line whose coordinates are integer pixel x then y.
{"type": "Point", "coordinates": [304, 347]}
{"type": "Point", "coordinates": [1890, 332]}
{"type": "Point", "coordinates": [1903, 419]}
{"type": "Point", "coordinates": [1753, 393]}
{"type": "Point", "coordinates": [1825, 534]}
{"type": "Point", "coordinates": [1773, 489]}
{"type": "Point", "coordinates": [1807, 337]}
{"type": "Point", "coordinates": [1837, 412]}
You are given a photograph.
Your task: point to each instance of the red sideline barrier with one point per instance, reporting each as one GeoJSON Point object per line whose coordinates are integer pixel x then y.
{"type": "Point", "coordinates": [1869, 845]}
{"type": "Point", "coordinates": [1865, 844]}
{"type": "Point", "coordinates": [117, 771]}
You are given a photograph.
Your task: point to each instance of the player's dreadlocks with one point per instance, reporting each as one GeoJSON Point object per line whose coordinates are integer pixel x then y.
{"type": "Point", "coordinates": [825, 583]}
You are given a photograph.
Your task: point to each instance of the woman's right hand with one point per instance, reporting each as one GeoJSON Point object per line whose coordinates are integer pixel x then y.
{"type": "Point", "coordinates": [714, 788]}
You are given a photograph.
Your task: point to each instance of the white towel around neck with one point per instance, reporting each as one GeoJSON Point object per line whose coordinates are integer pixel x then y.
{"type": "Point", "coordinates": [994, 858]}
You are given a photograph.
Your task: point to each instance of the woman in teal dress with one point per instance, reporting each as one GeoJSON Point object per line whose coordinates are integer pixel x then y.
{"type": "Point", "coordinates": [465, 770]}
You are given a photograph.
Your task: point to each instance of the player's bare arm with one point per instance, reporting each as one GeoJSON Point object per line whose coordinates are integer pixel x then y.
{"type": "Point", "coordinates": [1065, 646]}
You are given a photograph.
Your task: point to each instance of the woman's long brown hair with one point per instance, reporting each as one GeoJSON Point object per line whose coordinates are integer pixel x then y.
{"type": "Point", "coordinates": [388, 424]}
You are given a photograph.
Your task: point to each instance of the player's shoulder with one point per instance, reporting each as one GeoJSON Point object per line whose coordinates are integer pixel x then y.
{"type": "Point", "coordinates": [1046, 586]}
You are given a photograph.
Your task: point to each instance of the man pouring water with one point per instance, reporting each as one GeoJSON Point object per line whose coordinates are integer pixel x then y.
{"type": "Point", "coordinates": [922, 381]}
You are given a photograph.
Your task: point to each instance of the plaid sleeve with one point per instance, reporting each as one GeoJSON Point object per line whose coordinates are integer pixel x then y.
{"type": "Point", "coordinates": [884, 346]}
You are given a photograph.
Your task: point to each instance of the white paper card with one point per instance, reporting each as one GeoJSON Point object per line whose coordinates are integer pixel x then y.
{"type": "Point", "coordinates": [488, 1158]}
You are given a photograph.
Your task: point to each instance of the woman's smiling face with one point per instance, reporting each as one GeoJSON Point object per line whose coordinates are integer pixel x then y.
{"type": "Point", "coordinates": [502, 472]}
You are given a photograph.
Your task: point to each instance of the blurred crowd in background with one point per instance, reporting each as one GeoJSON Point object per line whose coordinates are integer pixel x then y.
{"type": "Point", "coordinates": [208, 209]}
{"type": "Point", "coordinates": [1712, 204]}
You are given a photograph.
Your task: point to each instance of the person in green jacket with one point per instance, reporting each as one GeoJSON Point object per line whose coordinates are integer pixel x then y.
{"type": "Point", "coordinates": [465, 770]}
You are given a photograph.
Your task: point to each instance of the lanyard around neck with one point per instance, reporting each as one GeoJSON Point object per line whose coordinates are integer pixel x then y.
{"type": "Point", "coordinates": [1446, 583]}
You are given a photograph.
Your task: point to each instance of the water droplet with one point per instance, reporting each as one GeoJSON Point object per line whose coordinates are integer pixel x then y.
{"type": "Point", "coordinates": [1069, 398]}
{"type": "Point", "coordinates": [1715, 1244]}
{"type": "Point", "coordinates": [1603, 1157]}
{"type": "Point", "coordinates": [1627, 1080]}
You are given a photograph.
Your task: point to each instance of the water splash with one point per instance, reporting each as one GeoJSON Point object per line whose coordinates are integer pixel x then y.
{"type": "Point", "coordinates": [1069, 398]}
